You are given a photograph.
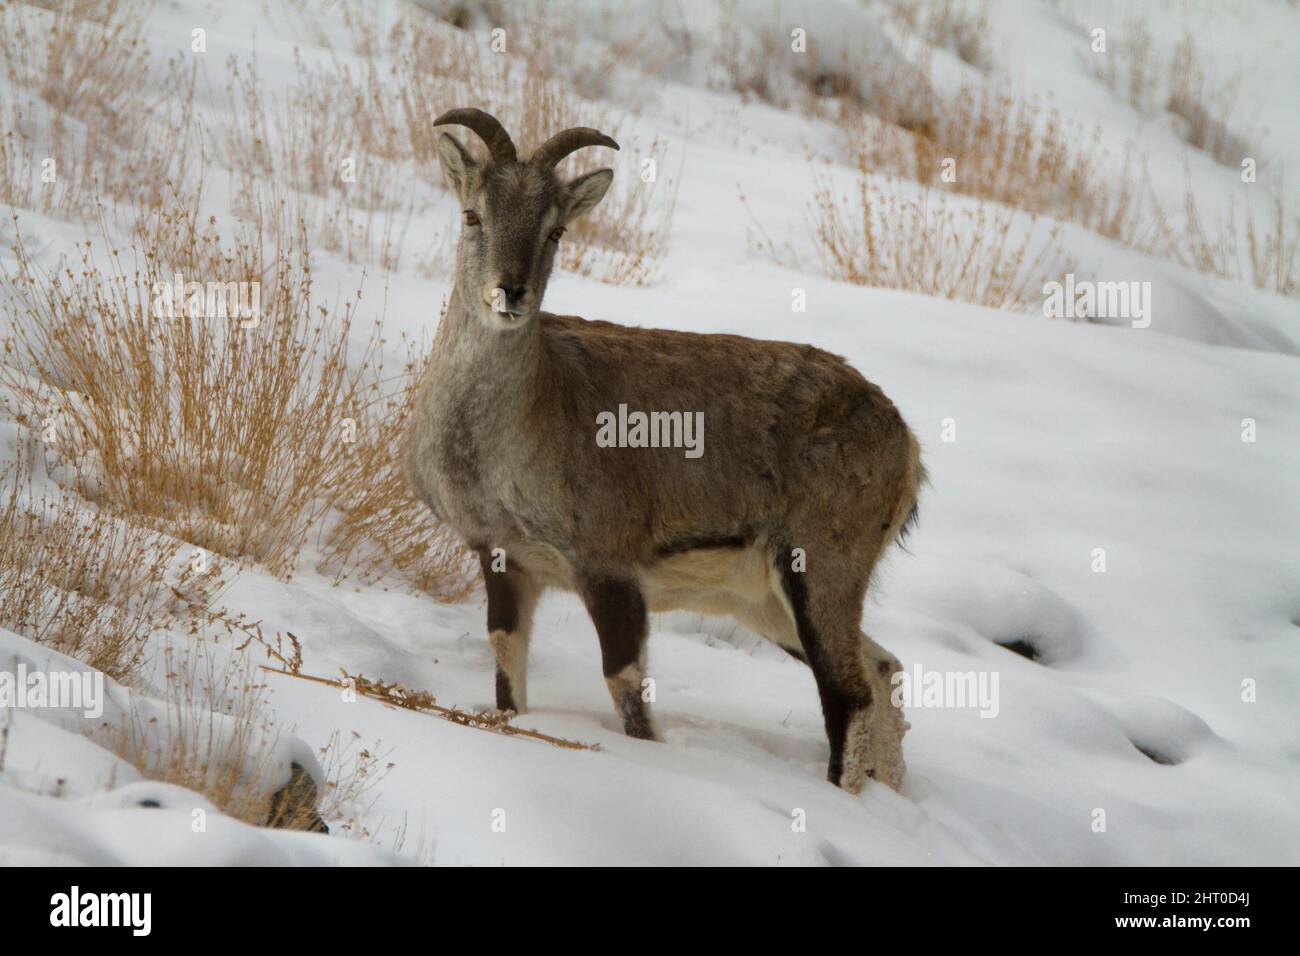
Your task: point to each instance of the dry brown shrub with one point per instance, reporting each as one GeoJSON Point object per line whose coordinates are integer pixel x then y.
{"type": "Point", "coordinates": [363, 26]}
{"type": "Point", "coordinates": [366, 25]}
{"type": "Point", "coordinates": [756, 60]}
{"type": "Point", "coordinates": [31, 149]}
{"type": "Point", "coordinates": [227, 760]}
{"type": "Point", "coordinates": [1014, 152]}
{"type": "Point", "coordinates": [218, 434]}
{"type": "Point", "coordinates": [84, 583]}
{"type": "Point", "coordinates": [303, 138]}
{"type": "Point", "coordinates": [752, 55]}
{"type": "Point", "coordinates": [222, 436]}
{"type": "Point", "coordinates": [86, 67]}
{"type": "Point", "coordinates": [240, 440]}
{"type": "Point", "coordinates": [1270, 241]}
{"type": "Point", "coordinates": [743, 70]}
{"type": "Point", "coordinates": [1272, 248]}
{"type": "Point", "coordinates": [623, 240]}
{"type": "Point", "coordinates": [1119, 207]}
{"type": "Point", "coordinates": [969, 252]}
{"type": "Point", "coordinates": [436, 70]}
{"type": "Point", "coordinates": [141, 164]}
{"type": "Point", "coordinates": [980, 141]}
{"type": "Point", "coordinates": [1209, 106]}
{"type": "Point", "coordinates": [1215, 120]}
{"type": "Point", "coordinates": [960, 26]}
{"type": "Point", "coordinates": [381, 527]}
{"type": "Point", "coordinates": [1128, 64]}
{"type": "Point", "coordinates": [1025, 154]}
{"type": "Point", "coordinates": [332, 149]}
{"type": "Point", "coordinates": [89, 63]}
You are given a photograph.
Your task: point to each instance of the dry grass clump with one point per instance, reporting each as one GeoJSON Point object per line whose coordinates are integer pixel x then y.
{"type": "Point", "coordinates": [434, 68]}
{"type": "Point", "coordinates": [215, 735]}
{"type": "Point", "coordinates": [757, 54]}
{"type": "Point", "coordinates": [224, 431]}
{"type": "Point", "coordinates": [381, 527]}
{"type": "Point", "coordinates": [993, 146]}
{"type": "Point", "coordinates": [219, 430]}
{"type": "Point", "coordinates": [1272, 249]}
{"type": "Point", "coordinates": [1270, 242]}
{"type": "Point", "coordinates": [84, 59]}
{"type": "Point", "coordinates": [40, 178]}
{"type": "Point", "coordinates": [1129, 65]}
{"type": "Point", "coordinates": [754, 71]}
{"type": "Point", "coordinates": [959, 26]}
{"type": "Point", "coordinates": [84, 583]}
{"type": "Point", "coordinates": [365, 24]}
{"type": "Point", "coordinates": [328, 125]}
{"type": "Point", "coordinates": [1001, 148]}
{"type": "Point", "coordinates": [986, 144]}
{"type": "Point", "coordinates": [89, 64]}
{"type": "Point", "coordinates": [332, 149]}
{"type": "Point", "coordinates": [979, 140]}
{"type": "Point", "coordinates": [240, 435]}
{"type": "Point", "coordinates": [1209, 108]}
{"type": "Point", "coordinates": [65, 169]}
{"type": "Point", "coordinates": [77, 581]}
{"type": "Point", "coordinates": [928, 243]}
{"type": "Point", "coordinates": [1026, 155]}
{"type": "Point", "coordinates": [623, 240]}
{"type": "Point", "coordinates": [884, 73]}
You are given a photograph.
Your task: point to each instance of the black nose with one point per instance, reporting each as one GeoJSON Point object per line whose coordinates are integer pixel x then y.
{"type": "Point", "coordinates": [513, 293]}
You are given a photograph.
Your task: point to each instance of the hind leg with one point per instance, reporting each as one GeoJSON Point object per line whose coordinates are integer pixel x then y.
{"type": "Point", "coordinates": [881, 734]}
{"type": "Point", "coordinates": [853, 674]}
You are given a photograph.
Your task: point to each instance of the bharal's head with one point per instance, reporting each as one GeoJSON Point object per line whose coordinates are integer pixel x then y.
{"type": "Point", "coordinates": [514, 212]}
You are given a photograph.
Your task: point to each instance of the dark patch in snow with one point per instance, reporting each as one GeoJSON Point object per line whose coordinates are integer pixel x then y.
{"type": "Point", "coordinates": [1155, 756]}
{"type": "Point", "coordinates": [1024, 647]}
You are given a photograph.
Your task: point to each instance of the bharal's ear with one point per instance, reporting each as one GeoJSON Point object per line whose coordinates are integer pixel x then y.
{"type": "Point", "coordinates": [457, 164]}
{"type": "Point", "coordinates": [585, 191]}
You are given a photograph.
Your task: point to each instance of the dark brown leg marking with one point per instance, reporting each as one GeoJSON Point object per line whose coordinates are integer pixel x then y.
{"type": "Point", "coordinates": [502, 615]}
{"type": "Point", "coordinates": [618, 612]}
{"type": "Point", "coordinates": [838, 703]}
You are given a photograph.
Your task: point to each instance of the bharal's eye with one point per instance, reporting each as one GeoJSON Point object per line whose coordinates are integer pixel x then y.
{"type": "Point", "coordinates": [471, 217]}
{"type": "Point", "coordinates": [556, 233]}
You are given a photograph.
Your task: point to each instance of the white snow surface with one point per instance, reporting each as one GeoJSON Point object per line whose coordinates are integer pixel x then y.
{"type": "Point", "coordinates": [1069, 437]}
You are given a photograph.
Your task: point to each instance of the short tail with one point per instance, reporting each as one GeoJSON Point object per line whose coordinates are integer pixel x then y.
{"type": "Point", "coordinates": [906, 511]}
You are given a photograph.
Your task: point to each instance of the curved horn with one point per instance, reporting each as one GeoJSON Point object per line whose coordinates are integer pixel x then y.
{"type": "Point", "coordinates": [562, 144]}
{"type": "Point", "coordinates": [487, 127]}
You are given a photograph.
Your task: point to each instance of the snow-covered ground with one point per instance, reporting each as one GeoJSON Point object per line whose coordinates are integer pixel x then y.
{"type": "Point", "coordinates": [1091, 495]}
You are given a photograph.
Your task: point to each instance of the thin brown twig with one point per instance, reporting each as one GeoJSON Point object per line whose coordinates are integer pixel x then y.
{"type": "Point", "coordinates": [420, 700]}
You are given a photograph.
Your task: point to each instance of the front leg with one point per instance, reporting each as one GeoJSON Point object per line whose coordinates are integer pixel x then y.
{"type": "Point", "coordinates": [618, 611]}
{"type": "Point", "coordinates": [511, 597]}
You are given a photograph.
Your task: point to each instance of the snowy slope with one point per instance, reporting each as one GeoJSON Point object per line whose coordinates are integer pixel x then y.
{"type": "Point", "coordinates": [1069, 437]}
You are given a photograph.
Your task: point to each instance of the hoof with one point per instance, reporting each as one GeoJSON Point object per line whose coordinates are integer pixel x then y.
{"type": "Point", "coordinates": [873, 747]}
